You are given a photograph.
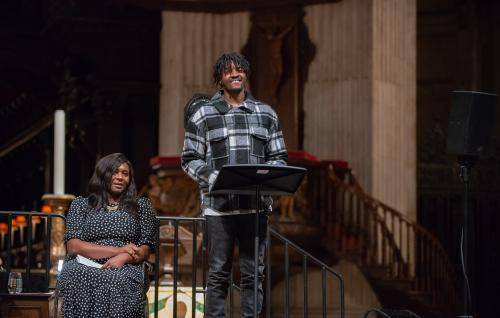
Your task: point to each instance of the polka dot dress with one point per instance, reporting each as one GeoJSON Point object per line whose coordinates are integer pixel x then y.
{"type": "Point", "coordinates": [94, 292]}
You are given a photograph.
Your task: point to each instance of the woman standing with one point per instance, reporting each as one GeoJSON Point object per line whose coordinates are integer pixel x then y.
{"type": "Point", "coordinates": [114, 228]}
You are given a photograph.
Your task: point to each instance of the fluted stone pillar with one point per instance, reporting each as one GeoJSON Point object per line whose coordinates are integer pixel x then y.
{"type": "Point", "coordinates": [394, 101]}
{"type": "Point", "coordinates": [360, 96]}
{"type": "Point", "coordinates": [190, 44]}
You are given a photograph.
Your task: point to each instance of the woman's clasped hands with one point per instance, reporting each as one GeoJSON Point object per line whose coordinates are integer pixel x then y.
{"type": "Point", "coordinates": [129, 253]}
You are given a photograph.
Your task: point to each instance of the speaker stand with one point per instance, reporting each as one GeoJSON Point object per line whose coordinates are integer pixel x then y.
{"type": "Point", "coordinates": [466, 163]}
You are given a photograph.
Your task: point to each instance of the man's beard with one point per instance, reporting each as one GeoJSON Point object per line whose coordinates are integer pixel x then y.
{"type": "Point", "coordinates": [232, 90]}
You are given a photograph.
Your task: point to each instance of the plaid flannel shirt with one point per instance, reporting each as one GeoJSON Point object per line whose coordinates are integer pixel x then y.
{"type": "Point", "coordinates": [219, 134]}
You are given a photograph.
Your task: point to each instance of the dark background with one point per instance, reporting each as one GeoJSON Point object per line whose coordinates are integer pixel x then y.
{"type": "Point", "coordinates": [458, 45]}
{"type": "Point", "coordinates": [99, 62]}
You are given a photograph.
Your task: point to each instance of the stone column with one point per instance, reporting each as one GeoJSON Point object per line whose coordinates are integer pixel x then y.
{"type": "Point", "coordinates": [360, 97]}
{"type": "Point", "coordinates": [190, 44]}
{"type": "Point", "coordinates": [394, 104]}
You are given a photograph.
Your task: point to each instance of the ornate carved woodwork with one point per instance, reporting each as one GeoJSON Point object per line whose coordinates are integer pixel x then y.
{"type": "Point", "coordinates": [170, 189]}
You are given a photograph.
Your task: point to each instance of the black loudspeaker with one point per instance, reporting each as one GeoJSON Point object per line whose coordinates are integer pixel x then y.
{"type": "Point", "coordinates": [471, 121]}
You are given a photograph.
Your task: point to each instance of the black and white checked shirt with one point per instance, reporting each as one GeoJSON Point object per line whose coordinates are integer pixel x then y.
{"type": "Point", "coordinates": [219, 134]}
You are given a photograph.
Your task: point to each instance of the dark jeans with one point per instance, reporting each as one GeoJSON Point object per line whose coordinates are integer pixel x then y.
{"type": "Point", "coordinates": [223, 232]}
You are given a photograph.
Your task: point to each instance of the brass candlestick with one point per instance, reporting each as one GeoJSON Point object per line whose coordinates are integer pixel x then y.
{"type": "Point", "coordinates": [59, 204]}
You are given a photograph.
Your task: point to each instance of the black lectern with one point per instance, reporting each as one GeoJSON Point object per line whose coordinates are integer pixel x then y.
{"type": "Point", "coordinates": [257, 180]}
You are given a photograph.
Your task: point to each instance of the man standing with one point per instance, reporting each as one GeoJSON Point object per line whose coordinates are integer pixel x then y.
{"type": "Point", "coordinates": [232, 128]}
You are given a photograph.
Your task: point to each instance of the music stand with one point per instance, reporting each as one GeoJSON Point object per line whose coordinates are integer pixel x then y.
{"type": "Point", "coordinates": [262, 179]}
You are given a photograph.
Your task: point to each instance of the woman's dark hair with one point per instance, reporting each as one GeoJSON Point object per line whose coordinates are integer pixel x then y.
{"type": "Point", "coordinates": [100, 183]}
{"type": "Point", "coordinates": [223, 64]}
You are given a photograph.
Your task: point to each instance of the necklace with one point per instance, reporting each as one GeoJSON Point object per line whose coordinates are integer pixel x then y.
{"type": "Point", "coordinates": [112, 206]}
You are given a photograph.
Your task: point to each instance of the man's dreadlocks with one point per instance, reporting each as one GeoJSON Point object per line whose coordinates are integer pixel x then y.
{"type": "Point", "coordinates": [223, 64]}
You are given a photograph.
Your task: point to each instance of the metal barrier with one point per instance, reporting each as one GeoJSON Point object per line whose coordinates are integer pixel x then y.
{"type": "Point", "coordinates": [198, 226]}
{"type": "Point", "coordinates": [173, 233]}
{"type": "Point", "coordinates": [7, 248]}
{"type": "Point", "coordinates": [306, 258]}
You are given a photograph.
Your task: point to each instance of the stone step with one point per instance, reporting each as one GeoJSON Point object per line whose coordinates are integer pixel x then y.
{"type": "Point", "coordinates": [403, 285]}
{"type": "Point", "coordinates": [377, 272]}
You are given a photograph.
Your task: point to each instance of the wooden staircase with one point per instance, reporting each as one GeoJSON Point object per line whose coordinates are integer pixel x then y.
{"type": "Point", "coordinates": [406, 264]}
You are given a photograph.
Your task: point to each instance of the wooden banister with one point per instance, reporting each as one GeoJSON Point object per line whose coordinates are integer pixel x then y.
{"type": "Point", "coordinates": [379, 237]}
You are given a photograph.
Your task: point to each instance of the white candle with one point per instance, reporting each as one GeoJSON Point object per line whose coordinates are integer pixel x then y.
{"type": "Point", "coordinates": [34, 223]}
{"type": "Point", "coordinates": [59, 144]}
{"type": "Point", "coordinates": [21, 233]}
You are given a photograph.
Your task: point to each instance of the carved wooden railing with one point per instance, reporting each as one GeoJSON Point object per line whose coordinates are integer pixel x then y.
{"type": "Point", "coordinates": [384, 243]}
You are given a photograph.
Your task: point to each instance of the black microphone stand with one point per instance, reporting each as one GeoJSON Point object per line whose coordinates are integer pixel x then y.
{"type": "Point", "coordinates": [256, 254]}
{"type": "Point", "coordinates": [466, 163]}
